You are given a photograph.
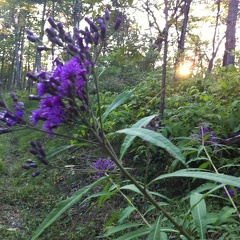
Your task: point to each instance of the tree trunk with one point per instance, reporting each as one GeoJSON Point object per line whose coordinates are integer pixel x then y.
{"type": "Point", "coordinates": [214, 47]}
{"type": "Point", "coordinates": [164, 66]}
{"type": "Point", "coordinates": [181, 41]}
{"type": "Point", "coordinates": [17, 70]}
{"type": "Point", "coordinates": [229, 58]}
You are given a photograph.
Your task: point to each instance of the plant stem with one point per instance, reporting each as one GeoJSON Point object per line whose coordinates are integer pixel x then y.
{"type": "Point", "coordinates": [225, 188]}
{"type": "Point", "coordinates": [146, 193]}
{"type": "Point", "coordinates": [146, 222]}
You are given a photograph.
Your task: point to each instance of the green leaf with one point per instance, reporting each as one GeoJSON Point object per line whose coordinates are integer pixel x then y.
{"type": "Point", "coordinates": [138, 233]}
{"type": "Point", "coordinates": [157, 139]}
{"type": "Point", "coordinates": [131, 187]}
{"type": "Point", "coordinates": [222, 178]}
{"type": "Point", "coordinates": [125, 213]}
{"type": "Point", "coordinates": [121, 98]}
{"type": "Point", "coordinates": [57, 151]}
{"type": "Point", "coordinates": [224, 214]}
{"type": "Point", "coordinates": [62, 207]}
{"type": "Point", "coordinates": [199, 213]}
{"type": "Point", "coordinates": [103, 198]}
{"type": "Point", "coordinates": [129, 139]}
{"type": "Point", "coordinates": [155, 233]}
{"type": "Point", "coordinates": [112, 219]}
{"type": "Point", "coordinates": [119, 228]}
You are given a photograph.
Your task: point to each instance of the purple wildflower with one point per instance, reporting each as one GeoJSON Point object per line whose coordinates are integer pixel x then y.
{"type": "Point", "coordinates": [232, 192]}
{"type": "Point", "coordinates": [103, 164]}
{"type": "Point", "coordinates": [204, 131]}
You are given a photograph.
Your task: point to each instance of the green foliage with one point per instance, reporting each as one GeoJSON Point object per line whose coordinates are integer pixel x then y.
{"type": "Point", "coordinates": [199, 212]}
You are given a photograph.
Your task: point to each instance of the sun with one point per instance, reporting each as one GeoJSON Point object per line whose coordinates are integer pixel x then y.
{"type": "Point", "coordinates": [185, 69]}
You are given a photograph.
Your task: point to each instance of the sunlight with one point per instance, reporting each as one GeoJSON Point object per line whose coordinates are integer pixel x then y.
{"type": "Point", "coordinates": [185, 68]}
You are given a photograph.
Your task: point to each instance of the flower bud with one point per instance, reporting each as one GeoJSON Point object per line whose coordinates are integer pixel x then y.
{"type": "Point", "coordinates": [29, 161]}
{"type": "Point", "coordinates": [29, 32]}
{"type": "Point", "coordinates": [52, 23]}
{"type": "Point", "coordinates": [32, 151]}
{"type": "Point", "coordinates": [33, 165]}
{"type": "Point", "coordinates": [25, 166]}
{"type": "Point", "coordinates": [32, 38]}
{"type": "Point", "coordinates": [13, 96]}
{"type": "Point", "coordinates": [42, 159]}
{"type": "Point", "coordinates": [33, 144]}
{"type": "Point", "coordinates": [42, 48]}
{"type": "Point", "coordinates": [68, 38]}
{"type": "Point", "coordinates": [51, 32]}
{"type": "Point", "coordinates": [55, 41]}
{"type": "Point", "coordinates": [60, 28]}
{"type": "Point", "coordinates": [32, 97]}
{"type": "Point", "coordinates": [93, 27]}
{"type": "Point", "coordinates": [96, 38]}
{"type": "Point", "coordinates": [103, 31]}
{"type": "Point", "coordinates": [35, 174]}
{"type": "Point", "coordinates": [30, 75]}
{"type": "Point", "coordinates": [107, 14]}
{"type": "Point", "coordinates": [42, 152]}
{"type": "Point", "coordinates": [73, 48]}
{"type": "Point", "coordinates": [80, 43]}
{"type": "Point", "coordinates": [117, 24]}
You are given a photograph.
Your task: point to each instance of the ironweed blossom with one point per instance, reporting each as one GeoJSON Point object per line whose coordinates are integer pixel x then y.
{"type": "Point", "coordinates": [204, 131]}
{"type": "Point", "coordinates": [103, 164]}
{"type": "Point", "coordinates": [61, 93]}
{"type": "Point", "coordinates": [232, 192]}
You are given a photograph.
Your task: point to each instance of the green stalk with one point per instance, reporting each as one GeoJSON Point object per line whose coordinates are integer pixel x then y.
{"type": "Point", "coordinates": [143, 190]}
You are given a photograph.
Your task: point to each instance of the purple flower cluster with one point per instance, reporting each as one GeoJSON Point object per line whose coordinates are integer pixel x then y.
{"type": "Point", "coordinates": [58, 93]}
{"type": "Point", "coordinates": [39, 153]}
{"type": "Point", "coordinates": [204, 131]}
{"type": "Point", "coordinates": [62, 92]}
{"type": "Point", "coordinates": [103, 164]}
{"type": "Point", "coordinates": [232, 193]}
{"type": "Point", "coordinates": [12, 118]}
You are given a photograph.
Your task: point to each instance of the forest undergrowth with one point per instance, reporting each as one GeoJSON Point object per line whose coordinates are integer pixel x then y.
{"type": "Point", "coordinates": [26, 201]}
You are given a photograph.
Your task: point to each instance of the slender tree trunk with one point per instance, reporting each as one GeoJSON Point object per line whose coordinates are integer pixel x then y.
{"type": "Point", "coordinates": [17, 70]}
{"type": "Point", "coordinates": [214, 49]}
{"type": "Point", "coordinates": [229, 58]}
{"type": "Point", "coordinates": [164, 66]}
{"type": "Point", "coordinates": [181, 41]}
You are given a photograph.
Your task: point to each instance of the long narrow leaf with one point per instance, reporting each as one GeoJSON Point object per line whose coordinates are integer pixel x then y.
{"type": "Point", "coordinates": [156, 139]}
{"type": "Point", "coordinates": [120, 99]}
{"type": "Point", "coordinates": [125, 213]}
{"type": "Point", "coordinates": [119, 228]}
{"type": "Point", "coordinates": [62, 207]}
{"type": "Point", "coordinates": [138, 233]}
{"type": "Point", "coordinates": [129, 139]}
{"type": "Point", "coordinates": [155, 233]}
{"type": "Point", "coordinates": [221, 178]}
{"type": "Point", "coordinates": [58, 150]}
{"type": "Point", "coordinates": [224, 215]}
{"type": "Point", "coordinates": [199, 213]}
